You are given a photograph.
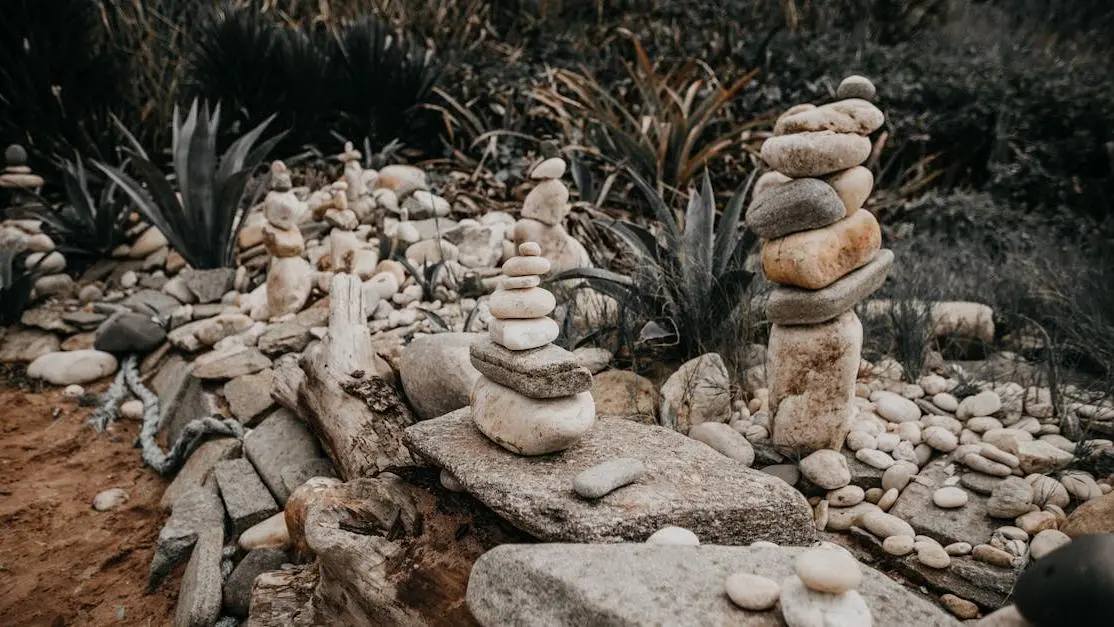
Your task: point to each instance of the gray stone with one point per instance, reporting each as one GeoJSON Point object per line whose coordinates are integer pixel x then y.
{"type": "Point", "coordinates": [1010, 499]}
{"type": "Point", "coordinates": [199, 598]}
{"type": "Point", "coordinates": [209, 285]}
{"type": "Point", "coordinates": [245, 497]}
{"type": "Point", "coordinates": [802, 607]}
{"type": "Point", "coordinates": [84, 320]}
{"type": "Point", "coordinates": [725, 440]}
{"type": "Point", "coordinates": [288, 337]}
{"type": "Point", "coordinates": [196, 512]}
{"type": "Point", "coordinates": [47, 318]}
{"type": "Point", "coordinates": [126, 332]}
{"type": "Point", "coordinates": [437, 373]}
{"type": "Point", "coordinates": [231, 363]}
{"type": "Point", "coordinates": [980, 483]}
{"type": "Point", "coordinates": [699, 391]}
{"type": "Point", "coordinates": [237, 590]}
{"type": "Point", "coordinates": [965, 524]}
{"type": "Point", "coordinates": [856, 86]}
{"type": "Point", "coordinates": [249, 396]}
{"type": "Point", "coordinates": [546, 372]}
{"type": "Point", "coordinates": [279, 441]}
{"type": "Point", "coordinates": [199, 467]}
{"type": "Point", "coordinates": [603, 479]}
{"type": "Point", "coordinates": [792, 305]}
{"type": "Point", "coordinates": [22, 345]}
{"type": "Point", "coordinates": [182, 397]}
{"type": "Point", "coordinates": [687, 484]}
{"type": "Point", "coordinates": [636, 584]}
{"type": "Point", "coordinates": [799, 205]}
{"type": "Point", "coordinates": [294, 475]}
{"type": "Point", "coordinates": [152, 303]}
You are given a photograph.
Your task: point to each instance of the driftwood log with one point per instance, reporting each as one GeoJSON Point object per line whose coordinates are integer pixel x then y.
{"type": "Point", "coordinates": [346, 393]}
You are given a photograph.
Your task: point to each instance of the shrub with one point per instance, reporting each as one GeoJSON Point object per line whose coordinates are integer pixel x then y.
{"type": "Point", "coordinates": [201, 222]}
{"type": "Point", "coordinates": [688, 282]}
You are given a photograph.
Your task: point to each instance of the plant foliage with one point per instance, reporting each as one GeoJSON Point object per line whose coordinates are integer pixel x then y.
{"type": "Point", "coordinates": [688, 280]}
{"type": "Point", "coordinates": [200, 222]}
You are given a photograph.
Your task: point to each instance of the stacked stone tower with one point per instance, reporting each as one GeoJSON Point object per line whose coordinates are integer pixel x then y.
{"type": "Point", "coordinates": [824, 253]}
{"type": "Point", "coordinates": [288, 280]}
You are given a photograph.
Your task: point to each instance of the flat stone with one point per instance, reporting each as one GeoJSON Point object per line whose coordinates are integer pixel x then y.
{"type": "Point", "coordinates": [23, 345]}
{"type": "Point", "coordinates": [526, 266]}
{"type": "Point", "coordinates": [533, 302]}
{"type": "Point", "coordinates": [230, 364]}
{"type": "Point", "coordinates": [789, 305]}
{"type": "Point", "coordinates": [1041, 457]}
{"type": "Point", "coordinates": [198, 467]}
{"type": "Point", "coordinates": [287, 337]}
{"type": "Point", "coordinates": [605, 478]}
{"type": "Point", "coordinates": [979, 482]}
{"type": "Point", "coordinates": [1010, 499]}
{"type": "Point", "coordinates": [209, 285]}
{"type": "Point", "coordinates": [546, 372]}
{"type": "Point", "coordinates": [815, 153]}
{"type": "Point", "coordinates": [885, 525]}
{"type": "Point", "coordinates": [437, 373]}
{"type": "Point", "coordinates": [798, 205]}
{"type": "Point", "coordinates": [237, 590]}
{"type": "Point", "coordinates": [281, 440]}
{"type": "Point", "coordinates": [852, 115]}
{"type": "Point", "coordinates": [947, 526]}
{"type": "Point", "coordinates": [85, 320]}
{"type": "Point", "coordinates": [812, 371]}
{"type": "Point", "coordinates": [249, 396]}
{"type": "Point", "coordinates": [686, 484]}
{"type": "Point", "coordinates": [152, 303]}
{"type": "Point", "coordinates": [246, 499]}
{"type": "Point", "coordinates": [47, 317]}
{"type": "Point", "coordinates": [197, 512]}
{"type": "Point", "coordinates": [521, 335]}
{"type": "Point", "coordinates": [199, 597]}
{"type": "Point", "coordinates": [828, 570]}
{"type": "Point", "coordinates": [615, 584]}
{"type": "Point", "coordinates": [815, 259]}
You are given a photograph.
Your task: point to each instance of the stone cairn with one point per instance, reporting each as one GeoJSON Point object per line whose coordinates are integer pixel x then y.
{"type": "Point", "coordinates": [289, 280]}
{"type": "Point", "coordinates": [824, 253]}
{"type": "Point", "coordinates": [532, 397]}
{"type": "Point", "coordinates": [543, 211]}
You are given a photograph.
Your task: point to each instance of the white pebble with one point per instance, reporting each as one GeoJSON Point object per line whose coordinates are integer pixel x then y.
{"type": "Point", "coordinates": [752, 592]}
{"type": "Point", "coordinates": [824, 570]}
{"type": "Point", "coordinates": [950, 497]}
{"type": "Point", "coordinates": [73, 391]}
{"type": "Point", "coordinates": [676, 536]}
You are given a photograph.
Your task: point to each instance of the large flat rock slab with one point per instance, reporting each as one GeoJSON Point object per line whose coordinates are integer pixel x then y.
{"type": "Point", "coordinates": [687, 484]}
{"type": "Point", "coordinates": [639, 584]}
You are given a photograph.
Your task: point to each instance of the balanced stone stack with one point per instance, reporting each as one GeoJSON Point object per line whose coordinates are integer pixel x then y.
{"type": "Point", "coordinates": [544, 211]}
{"type": "Point", "coordinates": [532, 397]}
{"type": "Point", "coordinates": [289, 279]}
{"type": "Point", "coordinates": [824, 253]}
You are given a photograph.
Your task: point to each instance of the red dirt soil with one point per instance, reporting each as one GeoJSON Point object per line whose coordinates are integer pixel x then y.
{"type": "Point", "coordinates": [61, 561]}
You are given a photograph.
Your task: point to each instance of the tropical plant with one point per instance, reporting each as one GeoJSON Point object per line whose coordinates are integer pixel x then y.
{"type": "Point", "coordinates": [667, 124]}
{"type": "Point", "coordinates": [688, 282]}
{"type": "Point", "coordinates": [201, 221]}
{"type": "Point", "coordinates": [89, 223]}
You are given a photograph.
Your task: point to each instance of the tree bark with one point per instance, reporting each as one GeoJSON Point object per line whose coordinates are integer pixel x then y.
{"type": "Point", "coordinates": [346, 393]}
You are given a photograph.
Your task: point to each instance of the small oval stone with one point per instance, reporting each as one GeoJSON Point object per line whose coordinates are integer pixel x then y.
{"type": "Point", "coordinates": [530, 249]}
{"type": "Point", "coordinates": [856, 86]}
{"type": "Point", "coordinates": [898, 545]}
{"type": "Point", "coordinates": [674, 536]}
{"type": "Point", "coordinates": [825, 570]}
{"type": "Point", "coordinates": [874, 458]}
{"type": "Point", "coordinates": [885, 525]}
{"type": "Point", "coordinates": [950, 497]}
{"type": "Point", "coordinates": [551, 168]}
{"type": "Point", "coordinates": [847, 496]}
{"type": "Point", "coordinates": [602, 479]}
{"type": "Point", "coordinates": [815, 153]}
{"type": "Point", "coordinates": [752, 592]}
{"type": "Point", "coordinates": [522, 304]}
{"type": "Point", "coordinates": [526, 265]}
{"type": "Point", "coordinates": [827, 469]}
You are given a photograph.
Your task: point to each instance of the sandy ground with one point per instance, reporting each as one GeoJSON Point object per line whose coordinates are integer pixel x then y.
{"type": "Point", "coordinates": [61, 561]}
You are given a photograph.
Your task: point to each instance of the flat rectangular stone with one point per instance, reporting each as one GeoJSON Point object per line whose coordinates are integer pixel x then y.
{"type": "Point", "coordinates": [790, 305]}
{"type": "Point", "coordinates": [198, 467]}
{"type": "Point", "coordinates": [249, 396]}
{"type": "Point", "coordinates": [281, 440]}
{"type": "Point", "coordinates": [546, 372]}
{"type": "Point", "coordinates": [687, 484]}
{"type": "Point", "coordinates": [245, 497]}
{"type": "Point", "coordinates": [638, 584]}
{"type": "Point", "coordinates": [182, 398]}
{"type": "Point", "coordinates": [231, 363]}
{"type": "Point", "coordinates": [969, 523]}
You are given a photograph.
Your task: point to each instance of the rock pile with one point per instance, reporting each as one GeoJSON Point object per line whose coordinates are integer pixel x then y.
{"type": "Point", "coordinates": [532, 397]}
{"type": "Point", "coordinates": [824, 253]}
{"type": "Point", "coordinates": [289, 278]}
{"type": "Point", "coordinates": [543, 212]}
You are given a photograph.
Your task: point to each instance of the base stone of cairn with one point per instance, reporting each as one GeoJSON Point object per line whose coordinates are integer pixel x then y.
{"type": "Point", "coordinates": [824, 252]}
{"type": "Point", "coordinates": [532, 397]}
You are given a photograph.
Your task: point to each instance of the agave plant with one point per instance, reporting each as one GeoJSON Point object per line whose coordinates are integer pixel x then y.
{"type": "Point", "coordinates": [87, 224]}
{"type": "Point", "coordinates": [688, 280]}
{"type": "Point", "coordinates": [202, 220]}
{"type": "Point", "coordinates": [668, 126]}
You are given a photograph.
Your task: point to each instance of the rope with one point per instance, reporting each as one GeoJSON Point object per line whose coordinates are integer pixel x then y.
{"type": "Point", "coordinates": [163, 463]}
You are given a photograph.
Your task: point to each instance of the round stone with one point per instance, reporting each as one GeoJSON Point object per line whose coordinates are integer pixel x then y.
{"type": "Point", "coordinates": [945, 401]}
{"type": "Point", "coordinates": [827, 469]}
{"type": "Point", "coordinates": [825, 570]}
{"type": "Point", "coordinates": [856, 86]}
{"type": "Point", "coordinates": [529, 426]}
{"type": "Point", "coordinates": [981, 404]}
{"type": "Point", "coordinates": [889, 497]}
{"type": "Point", "coordinates": [894, 407]}
{"type": "Point", "coordinates": [940, 439]}
{"type": "Point", "coordinates": [853, 187]}
{"type": "Point", "coordinates": [15, 155]}
{"type": "Point", "coordinates": [132, 409]}
{"type": "Point", "coordinates": [932, 555]}
{"type": "Point", "coordinates": [529, 249]}
{"type": "Point", "coordinates": [950, 497]}
{"type": "Point", "coordinates": [1047, 541]}
{"type": "Point", "coordinates": [552, 168]}
{"type": "Point", "coordinates": [861, 439]}
{"type": "Point", "coordinates": [898, 545]}
{"type": "Point", "coordinates": [847, 496]}
{"type": "Point", "coordinates": [801, 607]}
{"type": "Point", "coordinates": [675, 536]}
{"type": "Point", "coordinates": [885, 525]}
{"type": "Point", "coordinates": [533, 302]}
{"type": "Point", "coordinates": [526, 265]}
{"type": "Point", "coordinates": [958, 548]}
{"type": "Point", "coordinates": [752, 592]}
{"type": "Point", "coordinates": [73, 391]}
{"type": "Point", "coordinates": [897, 476]}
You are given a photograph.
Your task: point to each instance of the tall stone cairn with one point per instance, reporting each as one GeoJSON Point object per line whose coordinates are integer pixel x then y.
{"type": "Point", "coordinates": [288, 279]}
{"type": "Point", "coordinates": [824, 253]}
{"type": "Point", "coordinates": [532, 397]}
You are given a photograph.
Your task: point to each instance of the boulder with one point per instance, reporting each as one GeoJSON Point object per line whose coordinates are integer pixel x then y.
{"type": "Point", "coordinates": [699, 391]}
{"type": "Point", "coordinates": [126, 332]}
{"type": "Point", "coordinates": [437, 373]}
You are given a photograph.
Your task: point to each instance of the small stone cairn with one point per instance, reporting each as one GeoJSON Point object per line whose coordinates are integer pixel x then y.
{"type": "Point", "coordinates": [824, 253]}
{"type": "Point", "coordinates": [543, 211]}
{"type": "Point", "coordinates": [289, 280]}
{"type": "Point", "coordinates": [532, 397]}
